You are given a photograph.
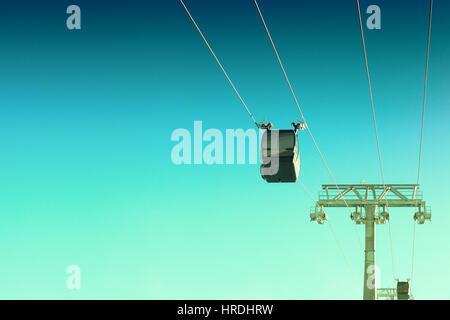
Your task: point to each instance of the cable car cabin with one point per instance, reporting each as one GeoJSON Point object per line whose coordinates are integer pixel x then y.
{"type": "Point", "coordinates": [280, 159]}
{"type": "Point", "coordinates": [403, 290]}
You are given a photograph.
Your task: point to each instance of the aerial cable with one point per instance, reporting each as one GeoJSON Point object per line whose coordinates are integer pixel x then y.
{"type": "Point", "coordinates": [218, 62]}
{"type": "Point", "coordinates": [338, 243]}
{"type": "Point", "coordinates": [375, 128]}
{"type": "Point", "coordinates": [300, 110]}
{"type": "Point", "coordinates": [425, 88]}
{"type": "Point", "coordinates": [412, 255]}
{"type": "Point", "coordinates": [391, 246]}
{"type": "Point", "coordinates": [421, 127]}
{"type": "Point", "coordinates": [370, 92]}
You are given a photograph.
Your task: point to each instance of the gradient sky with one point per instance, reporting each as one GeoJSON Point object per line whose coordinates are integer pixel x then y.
{"type": "Point", "coordinates": [86, 176]}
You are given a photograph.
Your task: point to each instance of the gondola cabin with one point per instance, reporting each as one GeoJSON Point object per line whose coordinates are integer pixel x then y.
{"type": "Point", "coordinates": [280, 159]}
{"type": "Point", "coordinates": [403, 290]}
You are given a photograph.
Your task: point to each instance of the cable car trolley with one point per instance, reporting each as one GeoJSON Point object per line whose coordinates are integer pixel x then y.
{"type": "Point", "coordinates": [280, 158]}
{"type": "Point", "coordinates": [403, 292]}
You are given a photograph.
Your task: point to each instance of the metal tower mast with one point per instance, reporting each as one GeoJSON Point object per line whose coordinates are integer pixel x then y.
{"type": "Point", "coordinates": [366, 199]}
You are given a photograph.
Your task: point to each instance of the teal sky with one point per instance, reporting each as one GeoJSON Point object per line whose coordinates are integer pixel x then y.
{"type": "Point", "coordinates": [86, 176]}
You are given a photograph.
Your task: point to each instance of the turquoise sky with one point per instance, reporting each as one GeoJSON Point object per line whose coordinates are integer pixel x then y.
{"type": "Point", "coordinates": [86, 176]}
